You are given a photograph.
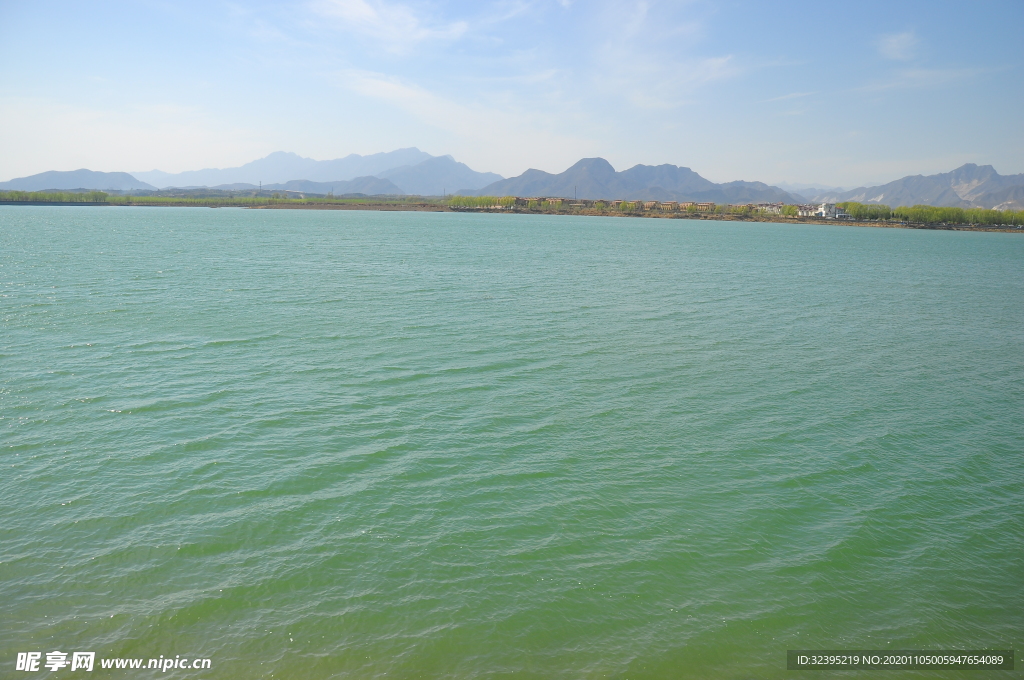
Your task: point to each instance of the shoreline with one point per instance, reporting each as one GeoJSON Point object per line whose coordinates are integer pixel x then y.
{"type": "Point", "coordinates": [426, 207]}
{"type": "Point", "coordinates": [437, 207]}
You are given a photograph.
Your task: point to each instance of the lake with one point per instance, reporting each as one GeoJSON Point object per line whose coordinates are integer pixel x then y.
{"type": "Point", "coordinates": [339, 444]}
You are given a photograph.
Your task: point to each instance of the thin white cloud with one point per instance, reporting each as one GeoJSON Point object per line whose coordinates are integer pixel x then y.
{"type": "Point", "coordinates": [425, 105]}
{"type": "Point", "coordinates": [54, 135]}
{"type": "Point", "coordinates": [921, 78]}
{"type": "Point", "coordinates": [898, 46]}
{"type": "Point", "coordinates": [643, 56]}
{"type": "Point", "coordinates": [396, 26]}
{"type": "Point", "coordinates": [650, 83]}
{"type": "Point", "coordinates": [785, 97]}
{"type": "Point", "coordinates": [484, 132]}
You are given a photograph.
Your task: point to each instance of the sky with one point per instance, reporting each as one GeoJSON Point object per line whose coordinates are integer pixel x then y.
{"type": "Point", "coordinates": [831, 94]}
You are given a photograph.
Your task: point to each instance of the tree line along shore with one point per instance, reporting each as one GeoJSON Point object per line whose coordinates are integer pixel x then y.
{"type": "Point", "coordinates": [882, 215]}
{"type": "Point", "coordinates": [851, 211]}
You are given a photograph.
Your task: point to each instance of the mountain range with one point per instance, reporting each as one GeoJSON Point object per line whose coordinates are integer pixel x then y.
{"type": "Point", "coordinates": [403, 171]}
{"type": "Point", "coordinates": [370, 186]}
{"type": "Point", "coordinates": [414, 172]}
{"type": "Point", "coordinates": [410, 171]}
{"type": "Point", "coordinates": [594, 178]}
{"type": "Point", "coordinates": [282, 166]}
{"type": "Point", "coordinates": [76, 179]}
{"type": "Point", "coordinates": [437, 176]}
{"type": "Point", "coordinates": [969, 186]}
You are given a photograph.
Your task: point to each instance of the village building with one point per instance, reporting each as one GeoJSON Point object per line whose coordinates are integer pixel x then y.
{"type": "Point", "coordinates": [705, 207]}
{"type": "Point", "coordinates": [828, 211]}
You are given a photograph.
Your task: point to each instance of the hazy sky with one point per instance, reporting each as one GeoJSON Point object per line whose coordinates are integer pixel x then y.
{"type": "Point", "coordinates": [836, 93]}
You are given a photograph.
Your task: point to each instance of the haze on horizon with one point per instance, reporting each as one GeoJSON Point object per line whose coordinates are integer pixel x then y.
{"type": "Point", "coordinates": [838, 95]}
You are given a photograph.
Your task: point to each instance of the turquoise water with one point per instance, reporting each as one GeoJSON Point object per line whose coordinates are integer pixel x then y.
{"type": "Point", "coordinates": [317, 444]}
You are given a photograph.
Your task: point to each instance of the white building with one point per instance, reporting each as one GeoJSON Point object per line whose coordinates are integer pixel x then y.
{"type": "Point", "coordinates": [830, 211]}
{"type": "Point", "coordinates": [827, 210]}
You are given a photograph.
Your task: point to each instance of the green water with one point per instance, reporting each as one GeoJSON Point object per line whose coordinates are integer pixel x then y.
{"type": "Point", "coordinates": [342, 444]}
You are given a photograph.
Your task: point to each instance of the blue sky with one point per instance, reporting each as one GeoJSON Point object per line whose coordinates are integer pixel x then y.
{"type": "Point", "coordinates": [831, 93]}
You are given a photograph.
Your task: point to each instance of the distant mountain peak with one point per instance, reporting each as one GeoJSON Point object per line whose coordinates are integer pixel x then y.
{"type": "Point", "coordinates": [595, 178]}
{"type": "Point", "coordinates": [438, 175]}
{"type": "Point", "coordinates": [284, 154]}
{"type": "Point", "coordinates": [595, 163]}
{"type": "Point", "coordinates": [82, 178]}
{"type": "Point", "coordinates": [595, 167]}
{"type": "Point", "coordinates": [285, 166]}
{"type": "Point", "coordinates": [970, 185]}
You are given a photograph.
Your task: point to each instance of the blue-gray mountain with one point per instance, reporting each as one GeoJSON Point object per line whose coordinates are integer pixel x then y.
{"type": "Point", "coordinates": [437, 176]}
{"type": "Point", "coordinates": [410, 171]}
{"type": "Point", "coordinates": [370, 186]}
{"type": "Point", "coordinates": [594, 178]}
{"type": "Point", "coordinates": [281, 166]}
{"type": "Point", "coordinates": [969, 186]}
{"type": "Point", "coordinates": [75, 179]}
{"type": "Point", "coordinates": [403, 171]}
{"type": "Point", "coordinates": [433, 177]}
